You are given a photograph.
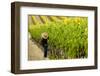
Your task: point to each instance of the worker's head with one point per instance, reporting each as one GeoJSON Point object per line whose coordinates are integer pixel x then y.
{"type": "Point", "coordinates": [44, 35]}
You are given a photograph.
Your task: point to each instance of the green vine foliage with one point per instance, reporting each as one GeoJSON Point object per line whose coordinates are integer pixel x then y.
{"type": "Point", "coordinates": [67, 40]}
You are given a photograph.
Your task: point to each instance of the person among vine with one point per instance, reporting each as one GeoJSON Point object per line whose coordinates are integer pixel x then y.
{"type": "Point", "coordinates": [44, 43]}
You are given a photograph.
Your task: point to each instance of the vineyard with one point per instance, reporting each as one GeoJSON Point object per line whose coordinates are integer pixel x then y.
{"type": "Point", "coordinates": [68, 36]}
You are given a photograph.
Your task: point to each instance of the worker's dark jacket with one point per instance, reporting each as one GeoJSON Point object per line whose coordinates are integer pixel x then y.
{"type": "Point", "coordinates": [44, 42]}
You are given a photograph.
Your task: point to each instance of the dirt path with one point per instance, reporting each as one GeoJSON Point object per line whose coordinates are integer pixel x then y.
{"type": "Point", "coordinates": [34, 52]}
